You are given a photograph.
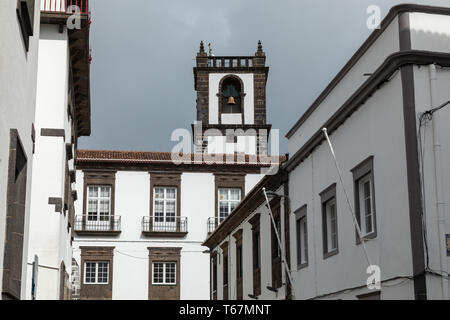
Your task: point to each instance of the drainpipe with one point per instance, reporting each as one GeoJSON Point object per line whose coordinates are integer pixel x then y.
{"type": "Point", "coordinates": [440, 204]}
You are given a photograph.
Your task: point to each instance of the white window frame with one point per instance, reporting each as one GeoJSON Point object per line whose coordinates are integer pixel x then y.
{"type": "Point", "coordinates": [96, 263]}
{"type": "Point", "coordinates": [99, 198]}
{"type": "Point", "coordinates": [165, 200]}
{"type": "Point", "coordinates": [329, 221]}
{"type": "Point", "coordinates": [228, 201]}
{"type": "Point", "coordinates": [362, 208]}
{"type": "Point", "coordinates": [165, 265]}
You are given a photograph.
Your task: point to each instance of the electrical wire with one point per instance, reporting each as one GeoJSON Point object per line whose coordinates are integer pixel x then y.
{"type": "Point", "coordinates": [423, 118]}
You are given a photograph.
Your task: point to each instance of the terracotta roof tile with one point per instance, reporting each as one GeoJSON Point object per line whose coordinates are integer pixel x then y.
{"type": "Point", "coordinates": [119, 156]}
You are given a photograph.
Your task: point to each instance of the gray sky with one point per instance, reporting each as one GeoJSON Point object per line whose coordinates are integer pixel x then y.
{"type": "Point", "coordinates": [142, 85]}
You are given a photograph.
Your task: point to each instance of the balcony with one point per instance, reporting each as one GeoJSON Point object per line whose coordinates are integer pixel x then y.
{"type": "Point", "coordinates": [62, 6]}
{"type": "Point", "coordinates": [109, 227]}
{"type": "Point", "coordinates": [212, 224]}
{"type": "Point", "coordinates": [230, 62]}
{"type": "Point", "coordinates": [167, 227]}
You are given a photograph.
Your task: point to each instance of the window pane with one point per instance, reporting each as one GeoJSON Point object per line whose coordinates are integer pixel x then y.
{"type": "Point", "coordinates": [223, 194]}
{"type": "Point", "coordinates": [105, 192]}
{"type": "Point", "coordinates": [159, 193]}
{"type": "Point", "coordinates": [158, 272]}
{"type": "Point", "coordinates": [235, 194]}
{"type": "Point", "coordinates": [93, 191]}
{"type": "Point", "coordinates": [170, 273]}
{"type": "Point", "coordinates": [90, 272]}
{"type": "Point", "coordinates": [170, 193]}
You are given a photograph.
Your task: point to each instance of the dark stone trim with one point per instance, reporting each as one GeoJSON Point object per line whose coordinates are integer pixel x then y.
{"type": "Point", "coordinates": [164, 292]}
{"type": "Point", "coordinates": [225, 271]}
{"type": "Point", "coordinates": [376, 295]}
{"type": "Point", "coordinates": [57, 202]}
{"type": "Point", "coordinates": [396, 10]}
{"type": "Point", "coordinates": [301, 213]}
{"type": "Point", "coordinates": [256, 258]}
{"type": "Point", "coordinates": [412, 165]}
{"type": "Point", "coordinates": [99, 177]}
{"type": "Point", "coordinates": [72, 175]}
{"type": "Point", "coordinates": [96, 291]}
{"type": "Point", "coordinates": [378, 78]}
{"type": "Point", "coordinates": [69, 152]}
{"type": "Point", "coordinates": [227, 181]}
{"type": "Point", "coordinates": [166, 179]}
{"type": "Point", "coordinates": [16, 188]}
{"type": "Point", "coordinates": [156, 234]}
{"type": "Point", "coordinates": [97, 233]}
{"type": "Point", "coordinates": [74, 195]}
{"type": "Point", "coordinates": [251, 202]}
{"type": "Point", "coordinates": [325, 196]}
{"type": "Point", "coordinates": [47, 132]}
{"type": "Point", "coordinates": [239, 264]}
{"type": "Point", "coordinates": [361, 170]}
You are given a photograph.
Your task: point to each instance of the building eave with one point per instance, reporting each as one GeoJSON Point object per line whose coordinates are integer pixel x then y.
{"type": "Point", "coordinates": [393, 13]}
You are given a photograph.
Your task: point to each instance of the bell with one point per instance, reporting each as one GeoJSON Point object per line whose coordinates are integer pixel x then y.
{"type": "Point", "coordinates": [231, 100]}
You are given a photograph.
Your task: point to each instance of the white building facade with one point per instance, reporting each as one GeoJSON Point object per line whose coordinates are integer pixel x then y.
{"type": "Point", "coordinates": [142, 217]}
{"type": "Point", "coordinates": [19, 22]}
{"type": "Point", "coordinates": [248, 262]}
{"type": "Point", "coordinates": [392, 164]}
{"type": "Point", "coordinates": [62, 115]}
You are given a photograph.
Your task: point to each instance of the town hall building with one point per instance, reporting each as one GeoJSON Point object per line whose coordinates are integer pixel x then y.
{"type": "Point", "coordinates": [142, 218]}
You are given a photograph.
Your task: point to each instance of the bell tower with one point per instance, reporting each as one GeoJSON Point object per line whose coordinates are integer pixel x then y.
{"type": "Point", "coordinates": [231, 103]}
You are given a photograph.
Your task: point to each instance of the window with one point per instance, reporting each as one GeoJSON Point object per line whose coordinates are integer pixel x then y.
{"type": "Point", "coordinates": [276, 253]}
{"type": "Point", "coordinates": [365, 198]}
{"type": "Point", "coordinates": [99, 203]}
{"type": "Point", "coordinates": [256, 257]}
{"type": "Point", "coordinates": [165, 273]}
{"type": "Point", "coordinates": [229, 199]}
{"type": "Point", "coordinates": [214, 277]}
{"type": "Point", "coordinates": [331, 234]}
{"type": "Point", "coordinates": [231, 95]}
{"type": "Point", "coordinates": [165, 204]}
{"type": "Point", "coordinates": [302, 237]}
{"type": "Point", "coordinates": [239, 267]}
{"type": "Point", "coordinates": [329, 221]}
{"type": "Point", "coordinates": [96, 272]}
{"type": "Point", "coordinates": [365, 204]}
{"type": "Point", "coordinates": [256, 252]}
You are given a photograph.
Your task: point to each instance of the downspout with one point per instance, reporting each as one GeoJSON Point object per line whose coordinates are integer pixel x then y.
{"type": "Point", "coordinates": [440, 204]}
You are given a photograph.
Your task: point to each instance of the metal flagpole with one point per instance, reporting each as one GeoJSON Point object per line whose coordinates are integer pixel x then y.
{"type": "Point", "coordinates": [283, 257]}
{"type": "Point", "coordinates": [355, 221]}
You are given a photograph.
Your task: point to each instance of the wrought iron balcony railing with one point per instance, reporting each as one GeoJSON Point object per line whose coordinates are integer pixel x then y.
{"type": "Point", "coordinates": [61, 6]}
{"type": "Point", "coordinates": [164, 226]}
{"type": "Point", "coordinates": [213, 223]}
{"type": "Point", "coordinates": [109, 225]}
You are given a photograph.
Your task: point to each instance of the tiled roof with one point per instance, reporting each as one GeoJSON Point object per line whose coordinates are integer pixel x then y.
{"type": "Point", "coordinates": [169, 157]}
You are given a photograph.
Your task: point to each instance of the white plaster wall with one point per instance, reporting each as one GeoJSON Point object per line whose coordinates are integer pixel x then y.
{"type": "Point", "coordinates": [17, 107]}
{"type": "Point", "coordinates": [131, 264]}
{"type": "Point", "coordinates": [219, 145]}
{"type": "Point", "coordinates": [385, 45]}
{"type": "Point", "coordinates": [49, 235]}
{"type": "Point", "coordinates": [423, 103]}
{"type": "Point", "coordinates": [266, 258]}
{"type": "Point", "coordinates": [214, 80]}
{"type": "Point", "coordinates": [375, 129]}
{"type": "Point", "coordinates": [430, 32]}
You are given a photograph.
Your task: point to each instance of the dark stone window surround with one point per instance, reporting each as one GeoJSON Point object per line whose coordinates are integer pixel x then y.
{"type": "Point", "coordinates": [223, 180]}
{"type": "Point", "coordinates": [299, 214]}
{"type": "Point", "coordinates": [225, 270]}
{"type": "Point", "coordinates": [164, 292]}
{"type": "Point", "coordinates": [15, 218]}
{"type": "Point", "coordinates": [325, 196]}
{"type": "Point", "coordinates": [25, 17]}
{"type": "Point", "coordinates": [214, 275]}
{"type": "Point", "coordinates": [255, 223]}
{"type": "Point", "coordinates": [99, 177]}
{"type": "Point", "coordinates": [276, 260]}
{"type": "Point", "coordinates": [96, 291]}
{"type": "Point", "coordinates": [362, 170]}
{"type": "Point", "coordinates": [239, 264]}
